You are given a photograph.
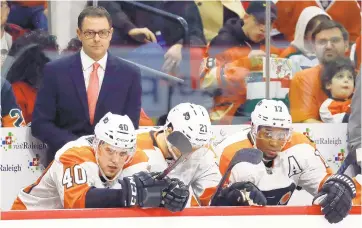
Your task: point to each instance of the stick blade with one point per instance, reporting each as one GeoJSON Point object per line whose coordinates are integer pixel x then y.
{"type": "Point", "coordinates": [250, 155]}
{"type": "Point", "coordinates": [180, 141]}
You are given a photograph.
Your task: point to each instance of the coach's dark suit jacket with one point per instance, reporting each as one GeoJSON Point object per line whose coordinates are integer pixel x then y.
{"type": "Point", "coordinates": [61, 108]}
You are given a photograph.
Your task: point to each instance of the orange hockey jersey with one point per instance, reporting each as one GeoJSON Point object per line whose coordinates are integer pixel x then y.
{"type": "Point", "coordinates": [199, 171]}
{"type": "Point", "coordinates": [332, 111]}
{"type": "Point", "coordinates": [11, 114]}
{"type": "Point", "coordinates": [224, 76]}
{"type": "Point", "coordinates": [65, 182]}
{"type": "Point", "coordinates": [289, 11]}
{"type": "Point", "coordinates": [25, 97]}
{"type": "Point", "coordinates": [299, 164]}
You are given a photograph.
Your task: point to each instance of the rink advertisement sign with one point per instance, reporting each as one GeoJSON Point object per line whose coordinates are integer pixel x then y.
{"type": "Point", "coordinates": [22, 155]}
{"type": "Point", "coordinates": [20, 162]}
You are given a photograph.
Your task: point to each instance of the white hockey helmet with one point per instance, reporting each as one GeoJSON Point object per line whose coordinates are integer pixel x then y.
{"type": "Point", "coordinates": [193, 121]}
{"type": "Point", "coordinates": [270, 113]}
{"type": "Point", "coordinates": [118, 131]}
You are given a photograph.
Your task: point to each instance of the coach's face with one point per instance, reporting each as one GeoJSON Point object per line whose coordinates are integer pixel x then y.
{"type": "Point", "coordinates": [95, 34]}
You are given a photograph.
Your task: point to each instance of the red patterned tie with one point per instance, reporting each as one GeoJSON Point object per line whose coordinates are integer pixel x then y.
{"type": "Point", "coordinates": [92, 92]}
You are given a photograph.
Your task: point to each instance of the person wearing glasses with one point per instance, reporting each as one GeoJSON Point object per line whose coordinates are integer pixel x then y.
{"type": "Point", "coordinates": [287, 159]}
{"type": "Point", "coordinates": [79, 89]}
{"type": "Point", "coordinates": [330, 41]}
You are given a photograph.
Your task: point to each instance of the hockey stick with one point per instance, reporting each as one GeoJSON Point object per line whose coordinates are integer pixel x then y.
{"type": "Point", "coordinates": [182, 144]}
{"type": "Point", "coordinates": [250, 155]}
{"type": "Point", "coordinates": [350, 160]}
{"type": "Point", "coordinates": [159, 74]}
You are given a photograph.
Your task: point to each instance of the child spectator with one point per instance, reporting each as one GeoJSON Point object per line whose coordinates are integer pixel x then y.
{"type": "Point", "coordinates": [338, 79]}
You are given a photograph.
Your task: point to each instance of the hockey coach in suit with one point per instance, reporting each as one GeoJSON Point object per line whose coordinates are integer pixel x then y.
{"type": "Point", "coordinates": [79, 89]}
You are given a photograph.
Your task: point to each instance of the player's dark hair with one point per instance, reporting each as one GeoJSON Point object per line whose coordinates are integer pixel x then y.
{"type": "Point", "coordinates": [330, 69]}
{"type": "Point", "coordinates": [94, 11]}
{"type": "Point", "coordinates": [28, 53]}
{"type": "Point", "coordinates": [74, 45]}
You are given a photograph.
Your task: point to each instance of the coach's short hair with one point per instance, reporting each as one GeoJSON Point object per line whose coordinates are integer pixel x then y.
{"type": "Point", "coordinates": [94, 11]}
{"type": "Point", "coordinates": [330, 24]}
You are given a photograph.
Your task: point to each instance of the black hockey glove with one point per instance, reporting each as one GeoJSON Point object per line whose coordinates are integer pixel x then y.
{"type": "Point", "coordinates": [335, 197]}
{"type": "Point", "coordinates": [142, 189]}
{"type": "Point", "coordinates": [239, 194]}
{"type": "Point", "coordinates": [176, 195]}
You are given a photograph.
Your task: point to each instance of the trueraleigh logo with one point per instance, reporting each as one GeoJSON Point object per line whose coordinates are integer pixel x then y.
{"type": "Point", "coordinates": [34, 164]}
{"type": "Point", "coordinates": [338, 158]}
{"type": "Point", "coordinates": [7, 141]}
{"type": "Point", "coordinates": [10, 142]}
{"type": "Point", "coordinates": [10, 168]}
{"type": "Point", "coordinates": [336, 141]}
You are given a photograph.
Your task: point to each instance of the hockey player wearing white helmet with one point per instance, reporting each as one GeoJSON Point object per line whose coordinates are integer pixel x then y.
{"type": "Point", "coordinates": [199, 171]}
{"type": "Point", "coordinates": [290, 159]}
{"type": "Point", "coordinates": [86, 173]}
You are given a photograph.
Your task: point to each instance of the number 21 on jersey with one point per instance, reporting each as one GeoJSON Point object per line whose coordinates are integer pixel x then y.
{"type": "Point", "coordinates": [74, 175]}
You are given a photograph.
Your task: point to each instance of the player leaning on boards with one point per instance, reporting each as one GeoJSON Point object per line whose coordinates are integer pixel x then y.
{"type": "Point", "coordinates": [288, 159]}
{"type": "Point", "coordinates": [86, 174]}
{"type": "Point", "coordinates": [199, 171]}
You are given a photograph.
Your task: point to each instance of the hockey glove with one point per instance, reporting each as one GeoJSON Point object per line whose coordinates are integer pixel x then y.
{"type": "Point", "coordinates": [335, 197]}
{"type": "Point", "coordinates": [143, 189]}
{"type": "Point", "coordinates": [175, 197]}
{"type": "Point", "coordinates": [240, 194]}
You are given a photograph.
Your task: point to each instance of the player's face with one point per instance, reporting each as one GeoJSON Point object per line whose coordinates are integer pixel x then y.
{"type": "Point", "coordinates": [329, 44]}
{"type": "Point", "coordinates": [95, 35]}
{"type": "Point", "coordinates": [270, 140]}
{"type": "Point", "coordinates": [253, 29]}
{"type": "Point", "coordinates": [342, 85]}
{"type": "Point", "coordinates": [111, 159]}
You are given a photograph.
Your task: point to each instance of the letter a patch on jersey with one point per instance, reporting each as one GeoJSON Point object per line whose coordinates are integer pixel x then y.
{"type": "Point", "coordinates": [294, 167]}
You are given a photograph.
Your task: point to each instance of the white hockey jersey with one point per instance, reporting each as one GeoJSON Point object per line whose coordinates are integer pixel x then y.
{"type": "Point", "coordinates": [199, 171]}
{"type": "Point", "coordinates": [299, 164]}
{"type": "Point", "coordinates": [67, 179]}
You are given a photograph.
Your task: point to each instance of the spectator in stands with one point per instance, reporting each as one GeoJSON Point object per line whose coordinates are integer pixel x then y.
{"type": "Point", "coordinates": [79, 89]}
{"type": "Point", "coordinates": [134, 26]}
{"type": "Point", "coordinates": [29, 14]}
{"type": "Point", "coordinates": [301, 50]}
{"type": "Point", "coordinates": [25, 74]}
{"type": "Point", "coordinates": [331, 41]}
{"type": "Point", "coordinates": [242, 37]}
{"type": "Point", "coordinates": [6, 39]}
{"type": "Point", "coordinates": [230, 56]}
{"type": "Point", "coordinates": [338, 83]}
{"type": "Point", "coordinates": [214, 14]}
{"type": "Point", "coordinates": [347, 13]}
{"type": "Point", "coordinates": [11, 115]}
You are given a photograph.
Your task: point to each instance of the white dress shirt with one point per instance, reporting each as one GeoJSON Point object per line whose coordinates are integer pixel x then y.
{"type": "Point", "coordinates": [87, 65]}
